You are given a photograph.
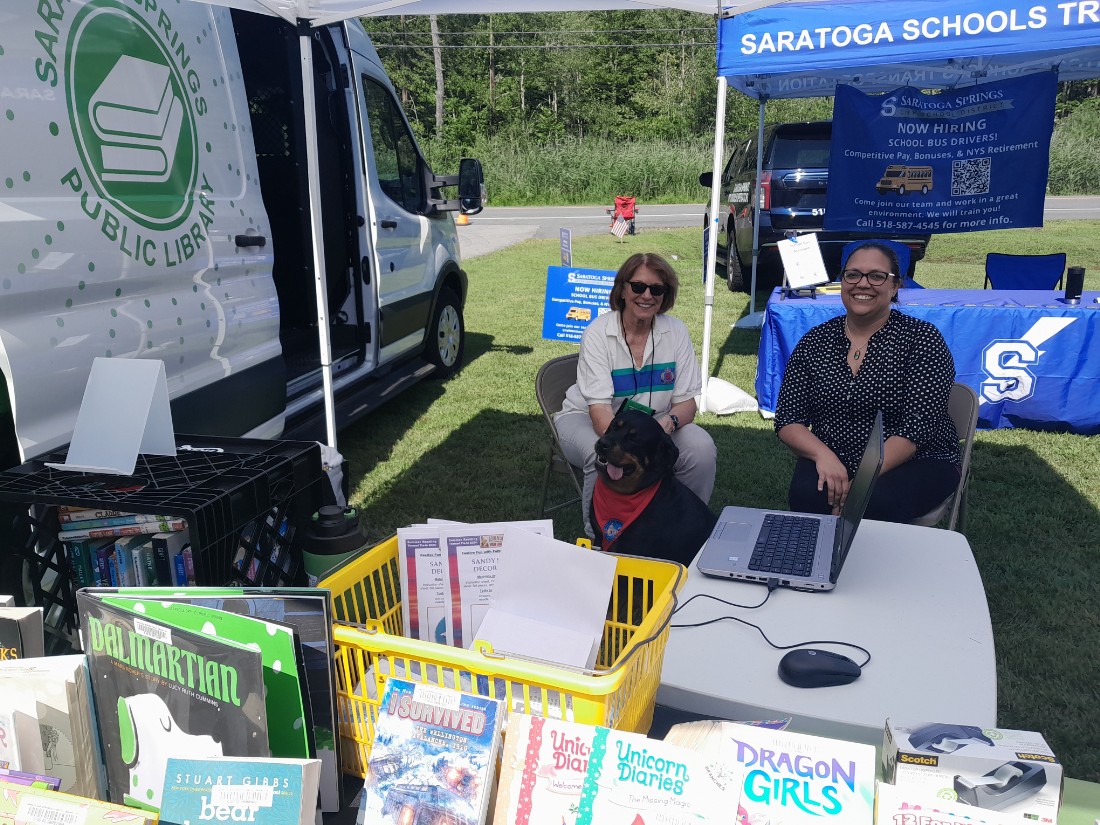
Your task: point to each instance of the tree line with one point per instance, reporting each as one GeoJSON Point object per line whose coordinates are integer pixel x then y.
{"type": "Point", "coordinates": [505, 85]}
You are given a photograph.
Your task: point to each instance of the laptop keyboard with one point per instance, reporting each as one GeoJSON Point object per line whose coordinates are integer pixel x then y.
{"type": "Point", "coordinates": [786, 545]}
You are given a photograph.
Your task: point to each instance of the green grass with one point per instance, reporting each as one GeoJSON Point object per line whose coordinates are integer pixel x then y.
{"type": "Point", "coordinates": [474, 448]}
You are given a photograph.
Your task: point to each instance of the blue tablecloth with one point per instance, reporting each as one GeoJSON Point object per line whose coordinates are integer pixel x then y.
{"type": "Point", "coordinates": [1033, 359]}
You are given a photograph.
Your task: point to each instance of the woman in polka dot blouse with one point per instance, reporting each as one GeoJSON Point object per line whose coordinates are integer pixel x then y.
{"type": "Point", "coordinates": [844, 371]}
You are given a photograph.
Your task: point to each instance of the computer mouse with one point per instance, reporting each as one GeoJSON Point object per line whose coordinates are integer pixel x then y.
{"type": "Point", "coordinates": [810, 668]}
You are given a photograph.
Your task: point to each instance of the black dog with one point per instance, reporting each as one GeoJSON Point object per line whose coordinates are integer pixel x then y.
{"type": "Point", "coordinates": [631, 457]}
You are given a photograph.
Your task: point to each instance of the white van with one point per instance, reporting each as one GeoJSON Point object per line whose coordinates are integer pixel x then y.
{"type": "Point", "coordinates": [154, 204]}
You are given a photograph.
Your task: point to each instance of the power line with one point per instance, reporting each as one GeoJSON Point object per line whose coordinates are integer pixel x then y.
{"type": "Point", "coordinates": [551, 46]}
{"type": "Point", "coordinates": [555, 31]}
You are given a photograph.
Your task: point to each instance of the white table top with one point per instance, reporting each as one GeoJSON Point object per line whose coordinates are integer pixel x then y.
{"type": "Point", "coordinates": [911, 595]}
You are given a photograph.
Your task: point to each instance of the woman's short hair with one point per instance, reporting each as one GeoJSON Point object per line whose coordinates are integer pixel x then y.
{"type": "Point", "coordinates": [658, 265]}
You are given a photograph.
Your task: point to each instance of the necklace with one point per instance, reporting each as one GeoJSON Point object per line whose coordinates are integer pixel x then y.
{"type": "Point", "coordinates": [857, 351]}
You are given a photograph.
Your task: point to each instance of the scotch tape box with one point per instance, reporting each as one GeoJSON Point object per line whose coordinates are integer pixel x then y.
{"type": "Point", "coordinates": [1009, 771]}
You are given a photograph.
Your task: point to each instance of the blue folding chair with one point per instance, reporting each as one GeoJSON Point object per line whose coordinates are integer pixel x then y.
{"type": "Point", "coordinates": [1024, 271]}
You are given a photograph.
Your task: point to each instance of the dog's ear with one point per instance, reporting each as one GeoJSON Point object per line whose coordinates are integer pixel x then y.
{"type": "Point", "coordinates": [667, 453]}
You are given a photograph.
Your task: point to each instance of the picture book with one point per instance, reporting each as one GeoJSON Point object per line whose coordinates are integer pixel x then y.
{"type": "Point", "coordinates": [22, 633]}
{"type": "Point", "coordinates": [542, 769]}
{"type": "Point", "coordinates": [228, 789]}
{"type": "Point", "coordinates": [53, 693]}
{"type": "Point", "coordinates": [36, 780]}
{"type": "Point", "coordinates": [794, 778]}
{"type": "Point", "coordinates": [287, 730]}
{"type": "Point", "coordinates": [426, 609]}
{"type": "Point", "coordinates": [433, 758]}
{"type": "Point", "coordinates": [27, 805]}
{"type": "Point", "coordinates": [632, 780]}
{"type": "Point", "coordinates": [894, 806]}
{"type": "Point", "coordinates": [19, 744]}
{"type": "Point", "coordinates": [309, 611]}
{"type": "Point", "coordinates": [161, 691]}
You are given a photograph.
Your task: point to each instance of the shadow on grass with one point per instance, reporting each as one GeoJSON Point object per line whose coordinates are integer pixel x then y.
{"type": "Point", "coordinates": [478, 344]}
{"type": "Point", "coordinates": [739, 343]}
{"type": "Point", "coordinates": [1037, 556]}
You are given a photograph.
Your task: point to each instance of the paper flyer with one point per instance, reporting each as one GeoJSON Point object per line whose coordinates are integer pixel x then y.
{"type": "Point", "coordinates": [427, 588]}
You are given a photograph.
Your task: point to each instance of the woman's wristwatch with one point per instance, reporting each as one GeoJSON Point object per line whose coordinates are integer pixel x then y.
{"type": "Point", "coordinates": [675, 421]}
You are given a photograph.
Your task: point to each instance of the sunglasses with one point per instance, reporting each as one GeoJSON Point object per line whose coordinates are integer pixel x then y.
{"type": "Point", "coordinates": [656, 290]}
{"type": "Point", "coordinates": [874, 277]}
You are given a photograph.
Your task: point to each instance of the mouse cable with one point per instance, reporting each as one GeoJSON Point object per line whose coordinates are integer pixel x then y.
{"type": "Point", "coordinates": [760, 630]}
{"type": "Point", "coordinates": [722, 601]}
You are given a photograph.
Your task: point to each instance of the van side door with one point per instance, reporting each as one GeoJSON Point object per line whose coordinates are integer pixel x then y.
{"type": "Point", "coordinates": [401, 236]}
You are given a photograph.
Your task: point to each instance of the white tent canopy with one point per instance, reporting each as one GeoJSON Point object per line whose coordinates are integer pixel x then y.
{"type": "Point", "coordinates": [330, 11]}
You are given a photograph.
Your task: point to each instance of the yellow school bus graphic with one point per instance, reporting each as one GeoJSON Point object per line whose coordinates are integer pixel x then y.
{"type": "Point", "coordinates": [905, 179]}
{"type": "Point", "coordinates": [578, 314]}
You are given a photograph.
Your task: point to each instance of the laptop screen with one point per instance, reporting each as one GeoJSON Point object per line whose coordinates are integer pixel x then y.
{"type": "Point", "coordinates": [858, 496]}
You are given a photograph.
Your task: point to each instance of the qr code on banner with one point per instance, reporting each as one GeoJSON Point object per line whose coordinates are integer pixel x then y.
{"type": "Point", "coordinates": [969, 177]}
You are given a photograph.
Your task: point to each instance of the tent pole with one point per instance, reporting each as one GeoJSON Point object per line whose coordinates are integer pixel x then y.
{"type": "Point", "coordinates": [712, 235]}
{"type": "Point", "coordinates": [309, 103]}
{"type": "Point", "coordinates": [754, 320]}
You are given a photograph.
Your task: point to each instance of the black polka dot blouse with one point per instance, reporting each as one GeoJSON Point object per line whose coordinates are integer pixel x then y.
{"type": "Point", "coordinates": [907, 372]}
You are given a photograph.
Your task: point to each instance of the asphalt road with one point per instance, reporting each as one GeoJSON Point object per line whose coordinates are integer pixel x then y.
{"type": "Point", "coordinates": [498, 227]}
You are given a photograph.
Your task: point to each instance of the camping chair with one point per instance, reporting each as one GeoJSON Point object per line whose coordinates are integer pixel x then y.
{"type": "Point", "coordinates": [1024, 271]}
{"type": "Point", "coordinates": [554, 378]}
{"type": "Point", "coordinates": [962, 406]}
{"type": "Point", "coordinates": [625, 208]}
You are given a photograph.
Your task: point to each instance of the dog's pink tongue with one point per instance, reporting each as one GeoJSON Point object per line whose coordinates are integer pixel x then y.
{"type": "Point", "coordinates": [613, 472]}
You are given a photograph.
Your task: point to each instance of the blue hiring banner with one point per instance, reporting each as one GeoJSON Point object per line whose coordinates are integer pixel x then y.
{"type": "Point", "coordinates": [573, 298]}
{"type": "Point", "coordinates": [964, 160]}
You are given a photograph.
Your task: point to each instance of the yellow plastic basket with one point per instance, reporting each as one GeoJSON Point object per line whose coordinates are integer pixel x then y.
{"type": "Point", "coordinates": [619, 693]}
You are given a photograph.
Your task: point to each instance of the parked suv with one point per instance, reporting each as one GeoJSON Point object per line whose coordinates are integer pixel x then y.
{"type": "Point", "coordinates": [793, 182]}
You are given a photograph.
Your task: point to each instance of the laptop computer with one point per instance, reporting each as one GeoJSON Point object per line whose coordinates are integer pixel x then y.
{"type": "Point", "coordinates": [802, 551]}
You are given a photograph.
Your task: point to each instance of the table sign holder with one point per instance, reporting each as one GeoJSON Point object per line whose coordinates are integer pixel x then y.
{"type": "Point", "coordinates": [803, 266]}
{"type": "Point", "coordinates": [125, 411]}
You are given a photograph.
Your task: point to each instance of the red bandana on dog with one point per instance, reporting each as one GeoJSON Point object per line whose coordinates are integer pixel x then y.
{"type": "Point", "coordinates": [616, 511]}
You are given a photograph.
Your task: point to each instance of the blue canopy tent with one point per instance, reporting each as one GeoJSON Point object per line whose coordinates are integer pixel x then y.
{"type": "Point", "coordinates": [805, 49]}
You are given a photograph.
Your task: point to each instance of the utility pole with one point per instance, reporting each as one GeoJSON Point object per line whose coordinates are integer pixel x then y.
{"type": "Point", "coordinates": [437, 55]}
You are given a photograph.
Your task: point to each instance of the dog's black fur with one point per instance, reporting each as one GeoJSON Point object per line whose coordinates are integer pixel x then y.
{"type": "Point", "coordinates": [676, 523]}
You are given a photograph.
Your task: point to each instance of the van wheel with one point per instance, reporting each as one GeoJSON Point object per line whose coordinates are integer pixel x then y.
{"type": "Point", "coordinates": [901, 189]}
{"type": "Point", "coordinates": [446, 335]}
{"type": "Point", "coordinates": [924, 190]}
{"type": "Point", "coordinates": [735, 279]}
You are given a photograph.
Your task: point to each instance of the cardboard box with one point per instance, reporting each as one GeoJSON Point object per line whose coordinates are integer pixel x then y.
{"type": "Point", "coordinates": [1009, 771]}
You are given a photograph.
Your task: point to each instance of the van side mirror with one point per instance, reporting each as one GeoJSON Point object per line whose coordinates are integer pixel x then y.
{"type": "Point", "coordinates": [706, 179]}
{"type": "Point", "coordinates": [471, 186]}
{"type": "Point", "coordinates": [471, 189]}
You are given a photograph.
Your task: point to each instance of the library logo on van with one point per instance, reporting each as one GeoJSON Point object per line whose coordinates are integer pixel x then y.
{"type": "Point", "coordinates": [132, 114]}
{"type": "Point", "coordinates": [133, 96]}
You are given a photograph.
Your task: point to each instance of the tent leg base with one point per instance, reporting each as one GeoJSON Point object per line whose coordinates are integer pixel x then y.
{"type": "Point", "coordinates": [754, 320]}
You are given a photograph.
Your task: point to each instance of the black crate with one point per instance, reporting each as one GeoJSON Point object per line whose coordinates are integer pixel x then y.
{"type": "Point", "coordinates": [245, 501]}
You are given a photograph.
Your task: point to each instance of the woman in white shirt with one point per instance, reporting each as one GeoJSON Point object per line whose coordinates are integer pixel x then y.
{"type": "Point", "coordinates": [637, 355]}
